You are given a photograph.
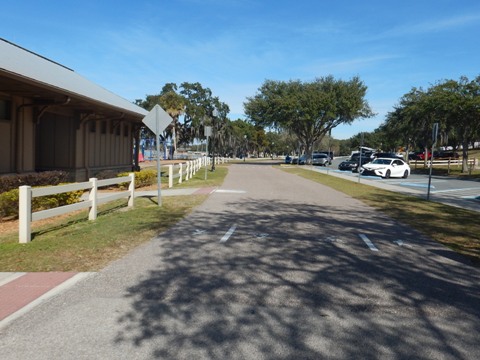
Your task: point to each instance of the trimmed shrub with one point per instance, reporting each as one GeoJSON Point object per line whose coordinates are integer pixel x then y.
{"type": "Point", "coordinates": [142, 178]}
{"type": "Point", "coordinates": [46, 178]}
{"type": "Point", "coordinates": [9, 202]}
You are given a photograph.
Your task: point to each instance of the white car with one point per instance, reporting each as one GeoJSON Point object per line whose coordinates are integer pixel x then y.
{"type": "Point", "coordinates": [386, 168]}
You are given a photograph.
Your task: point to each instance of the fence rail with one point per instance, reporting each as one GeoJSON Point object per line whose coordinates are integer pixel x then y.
{"type": "Point", "coordinates": [182, 171]}
{"type": "Point", "coordinates": [471, 163]}
{"type": "Point", "coordinates": [27, 193]}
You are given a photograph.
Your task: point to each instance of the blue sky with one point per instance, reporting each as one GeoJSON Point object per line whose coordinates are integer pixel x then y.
{"type": "Point", "coordinates": [133, 48]}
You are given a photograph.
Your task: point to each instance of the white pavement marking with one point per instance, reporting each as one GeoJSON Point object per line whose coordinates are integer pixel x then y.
{"type": "Point", "coordinates": [399, 242]}
{"type": "Point", "coordinates": [456, 190]}
{"type": "Point", "coordinates": [261, 236]}
{"type": "Point", "coordinates": [367, 241]}
{"type": "Point", "coordinates": [228, 234]}
{"type": "Point", "coordinates": [331, 239]}
{"type": "Point", "coordinates": [230, 191]}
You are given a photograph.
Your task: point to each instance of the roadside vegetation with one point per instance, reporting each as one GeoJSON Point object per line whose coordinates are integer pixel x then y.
{"type": "Point", "coordinates": [457, 228]}
{"type": "Point", "coordinates": [72, 243]}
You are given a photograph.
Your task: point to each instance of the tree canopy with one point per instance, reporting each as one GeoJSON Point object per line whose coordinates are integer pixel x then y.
{"type": "Point", "coordinates": [454, 105]}
{"type": "Point", "coordinates": [197, 106]}
{"type": "Point", "coordinates": [310, 110]}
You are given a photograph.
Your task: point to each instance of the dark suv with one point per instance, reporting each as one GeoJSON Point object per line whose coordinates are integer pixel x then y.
{"type": "Point", "coordinates": [387, 155]}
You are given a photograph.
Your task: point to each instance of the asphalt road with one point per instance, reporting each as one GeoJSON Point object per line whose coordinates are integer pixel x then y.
{"type": "Point", "coordinates": [271, 266]}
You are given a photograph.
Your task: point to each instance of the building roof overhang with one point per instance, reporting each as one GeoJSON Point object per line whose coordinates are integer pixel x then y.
{"type": "Point", "coordinates": [26, 74]}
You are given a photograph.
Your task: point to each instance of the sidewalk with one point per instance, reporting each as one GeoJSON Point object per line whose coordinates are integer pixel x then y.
{"type": "Point", "coordinates": [20, 291]}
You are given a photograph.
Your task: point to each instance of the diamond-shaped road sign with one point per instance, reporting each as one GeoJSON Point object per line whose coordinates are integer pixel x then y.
{"type": "Point", "coordinates": [157, 116]}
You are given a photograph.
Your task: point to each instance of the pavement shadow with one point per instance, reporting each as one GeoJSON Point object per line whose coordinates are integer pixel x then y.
{"type": "Point", "coordinates": [284, 288]}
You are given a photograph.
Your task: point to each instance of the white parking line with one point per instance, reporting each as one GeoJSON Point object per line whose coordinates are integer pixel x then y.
{"type": "Point", "coordinates": [456, 190]}
{"type": "Point", "coordinates": [228, 234]}
{"type": "Point", "coordinates": [367, 241]}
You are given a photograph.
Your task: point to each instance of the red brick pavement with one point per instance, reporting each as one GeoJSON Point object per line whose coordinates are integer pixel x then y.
{"type": "Point", "coordinates": [21, 291]}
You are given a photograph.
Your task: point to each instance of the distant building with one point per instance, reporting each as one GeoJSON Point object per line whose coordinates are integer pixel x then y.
{"type": "Point", "coordinates": [51, 118]}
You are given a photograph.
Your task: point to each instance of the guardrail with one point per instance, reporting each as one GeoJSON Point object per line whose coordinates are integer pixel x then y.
{"type": "Point", "coordinates": [27, 193]}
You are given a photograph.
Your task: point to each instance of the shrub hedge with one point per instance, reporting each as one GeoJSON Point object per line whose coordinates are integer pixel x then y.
{"type": "Point", "coordinates": [143, 178]}
{"type": "Point", "coordinates": [10, 182]}
{"type": "Point", "coordinates": [9, 202]}
{"type": "Point", "coordinates": [9, 185]}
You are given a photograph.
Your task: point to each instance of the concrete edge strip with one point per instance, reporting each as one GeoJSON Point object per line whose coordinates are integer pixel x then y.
{"type": "Point", "coordinates": [49, 294]}
{"type": "Point", "coordinates": [10, 277]}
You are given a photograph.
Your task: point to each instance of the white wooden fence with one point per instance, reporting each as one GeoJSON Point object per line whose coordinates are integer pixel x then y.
{"type": "Point", "coordinates": [182, 171]}
{"type": "Point", "coordinates": [186, 170]}
{"type": "Point", "coordinates": [27, 193]}
{"type": "Point", "coordinates": [472, 163]}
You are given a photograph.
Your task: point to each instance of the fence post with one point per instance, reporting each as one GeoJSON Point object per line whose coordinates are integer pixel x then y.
{"type": "Point", "coordinates": [93, 197]}
{"type": "Point", "coordinates": [24, 214]}
{"type": "Point", "coordinates": [170, 175]}
{"type": "Point", "coordinates": [180, 172]}
{"type": "Point", "coordinates": [131, 188]}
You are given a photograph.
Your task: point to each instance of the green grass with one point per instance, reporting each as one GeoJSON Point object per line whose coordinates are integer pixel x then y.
{"type": "Point", "coordinates": [214, 178]}
{"type": "Point", "coordinates": [73, 243]}
{"type": "Point", "coordinates": [454, 227]}
{"type": "Point", "coordinates": [77, 244]}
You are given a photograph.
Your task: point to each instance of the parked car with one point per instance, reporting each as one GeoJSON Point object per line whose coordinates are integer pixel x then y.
{"type": "Point", "coordinates": [420, 155]}
{"type": "Point", "coordinates": [386, 168]}
{"type": "Point", "coordinates": [365, 160]}
{"type": "Point", "coordinates": [446, 155]}
{"type": "Point", "coordinates": [288, 159]}
{"type": "Point", "coordinates": [352, 163]}
{"type": "Point", "coordinates": [321, 159]}
{"type": "Point", "coordinates": [328, 153]}
{"type": "Point", "coordinates": [346, 165]}
{"type": "Point", "coordinates": [387, 155]}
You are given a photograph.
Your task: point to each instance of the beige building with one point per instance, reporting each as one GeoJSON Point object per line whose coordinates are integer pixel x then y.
{"type": "Point", "coordinates": [51, 118]}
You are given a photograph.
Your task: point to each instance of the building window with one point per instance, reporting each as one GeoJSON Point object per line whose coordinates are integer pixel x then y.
{"type": "Point", "coordinates": [93, 126]}
{"type": "Point", "coordinates": [5, 110]}
{"type": "Point", "coordinates": [103, 127]}
{"type": "Point", "coordinates": [125, 130]}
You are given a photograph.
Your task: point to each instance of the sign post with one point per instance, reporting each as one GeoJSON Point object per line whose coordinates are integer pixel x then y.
{"type": "Point", "coordinates": [434, 142]}
{"type": "Point", "coordinates": [207, 133]}
{"type": "Point", "coordinates": [157, 120]}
